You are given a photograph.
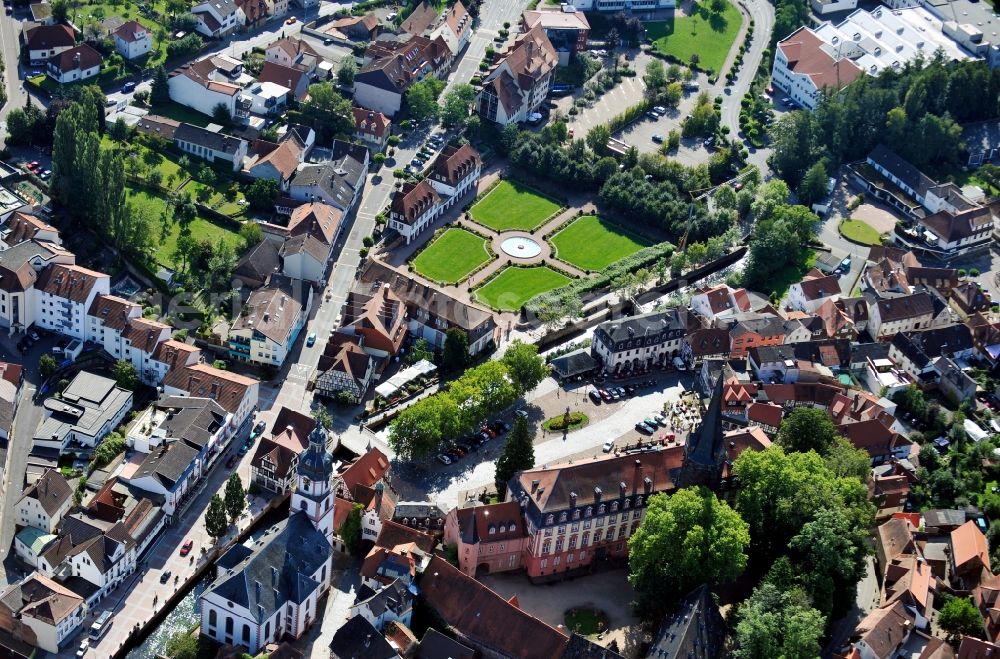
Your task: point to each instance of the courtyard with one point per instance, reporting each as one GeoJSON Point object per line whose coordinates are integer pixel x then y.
{"type": "Point", "coordinates": [513, 206]}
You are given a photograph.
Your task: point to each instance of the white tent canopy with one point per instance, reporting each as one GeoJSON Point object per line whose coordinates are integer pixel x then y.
{"type": "Point", "coordinates": [396, 382]}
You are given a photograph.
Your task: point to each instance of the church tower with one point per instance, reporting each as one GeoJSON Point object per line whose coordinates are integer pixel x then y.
{"type": "Point", "coordinates": [313, 493]}
{"type": "Point", "coordinates": [705, 450]}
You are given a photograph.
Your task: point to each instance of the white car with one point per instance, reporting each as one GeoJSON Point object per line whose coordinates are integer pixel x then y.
{"type": "Point", "coordinates": [608, 446]}
{"type": "Point", "coordinates": [443, 459]}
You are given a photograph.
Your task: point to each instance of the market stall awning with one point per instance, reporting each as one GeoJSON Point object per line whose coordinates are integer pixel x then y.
{"type": "Point", "coordinates": [399, 380]}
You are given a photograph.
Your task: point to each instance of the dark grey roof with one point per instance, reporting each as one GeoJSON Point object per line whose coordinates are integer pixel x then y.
{"type": "Point", "coordinates": [167, 463]}
{"type": "Point", "coordinates": [580, 647]}
{"type": "Point", "coordinates": [394, 596]}
{"type": "Point", "coordinates": [911, 350]}
{"type": "Point", "coordinates": [341, 177]}
{"type": "Point", "coordinates": [695, 630]}
{"type": "Point", "coordinates": [51, 490]}
{"type": "Point", "coordinates": [873, 350]}
{"type": "Point", "coordinates": [901, 169]}
{"type": "Point", "coordinates": [830, 352]}
{"type": "Point", "coordinates": [358, 639]}
{"type": "Point", "coordinates": [316, 463]}
{"type": "Point", "coordinates": [259, 262]}
{"type": "Point", "coordinates": [435, 645]}
{"type": "Point", "coordinates": [191, 419]}
{"type": "Point", "coordinates": [218, 142]}
{"type": "Point", "coordinates": [646, 325]}
{"type": "Point", "coordinates": [278, 570]}
{"type": "Point", "coordinates": [410, 509]}
{"type": "Point", "coordinates": [943, 340]}
{"type": "Point", "coordinates": [944, 517]}
{"type": "Point", "coordinates": [574, 363]}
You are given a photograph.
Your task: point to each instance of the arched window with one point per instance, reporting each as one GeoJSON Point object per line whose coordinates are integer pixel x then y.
{"type": "Point", "coordinates": [614, 506]}
{"type": "Point", "coordinates": [213, 618]}
{"type": "Point", "coordinates": [246, 634]}
{"type": "Point", "coordinates": [493, 529]}
{"type": "Point", "coordinates": [602, 509]}
{"type": "Point", "coordinates": [628, 504]}
{"type": "Point", "coordinates": [267, 630]}
{"type": "Point", "coordinates": [229, 626]}
{"type": "Point", "coordinates": [589, 512]}
{"type": "Point", "coordinates": [302, 504]}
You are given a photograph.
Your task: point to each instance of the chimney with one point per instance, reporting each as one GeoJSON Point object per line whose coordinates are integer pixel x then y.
{"type": "Point", "coordinates": [647, 485]}
{"type": "Point", "coordinates": [597, 493]}
{"type": "Point", "coordinates": [636, 475]}
{"type": "Point", "coordinates": [572, 499]}
{"type": "Point", "coordinates": [621, 488]}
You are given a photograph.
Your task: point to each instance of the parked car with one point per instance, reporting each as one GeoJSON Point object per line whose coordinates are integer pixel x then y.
{"type": "Point", "coordinates": [165, 576]}
{"type": "Point", "coordinates": [621, 392]}
{"type": "Point", "coordinates": [594, 396]}
{"type": "Point", "coordinates": [85, 643]}
{"type": "Point", "coordinates": [417, 162]}
{"type": "Point", "coordinates": [652, 115]}
{"type": "Point", "coordinates": [258, 428]}
{"type": "Point", "coordinates": [292, 20]}
{"type": "Point", "coordinates": [311, 339]}
{"type": "Point", "coordinates": [443, 459]}
{"type": "Point", "coordinates": [186, 547]}
{"type": "Point", "coordinates": [501, 427]}
{"type": "Point", "coordinates": [709, 141]}
{"type": "Point", "coordinates": [660, 110]}
{"type": "Point", "coordinates": [46, 174]}
{"type": "Point", "coordinates": [650, 421]}
{"type": "Point", "coordinates": [631, 389]}
{"type": "Point", "coordinates": [128, 86]}
{"type": "Point", "coordinates": [521, 413]}
{"type": "Point", "coordinates": [605, 395]}
{"type": "Point", "coordinates": [608, 446]}
{"type": "Point", "coordinates": [34, 335]}
{"type": "Point", "coordinates": [231, 462]}
{"type": "Point", "coordinates": [660, 419]}
{"type": "Point", "coordinates": [644, 428]}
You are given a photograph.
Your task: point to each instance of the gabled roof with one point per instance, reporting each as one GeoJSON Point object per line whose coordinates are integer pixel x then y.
{"type": "Point", "coordinates": [486, 618]}
{"type": "Point", "coordinates": [24, 226]}
{"type": "Point", "coordinates": [968, 544]}
{"type": "Point", "coordinates": [901, 168]}
{"type": "Point", "coordinates": [367, 470]}
{"type": "Point", "coordinates": [370, 121]}
{"type": "Point", "coordinates": [143, 334]}
{"type": "Point", "coordinates": [174, 353]}
{"type": "Point", "coordinates": [885, 629]}
{"type": "Point", "coordinates": [224, 387]}
{"type": "Point", "coordinates": [51, 490]}
{"type": "Point", "coordinates": [131, 31]}
{"type": "Point", "coordinates": [422, 17]}
{"type": "Point", "coordinates": [393, 535]}
{"type": "Point", "coordinates": [952, 227]}
{"type": "Point", "coordinates": [42, 598]}
{"type": "Point", "coordinates": [556, 20]}
{"type": "Point", "coordinates": [47, 37]}
{"type": "Point", "coordinates": [317, 219]}
{"type": "Point", "coordinates": [271, 311]}
{"type": "Point", "coordinates": [79, 58]}
{"type": "Point", "coordinates": [285, 158]}
{"type": "Point", "coordinates": [454, 164]}
{"type": "Point", "coordinates": [695, 629]}
{"type": "Point", "coordinates": [259, 263]}
{"type": "Point", "coordinates": [817, 288]}
{"type": "Point", "coordinates": [209, 139]}
{"type": "Point", "coordinates": [114, 312]}
{"type": "Point", "coordinates": [767, 414]}
{"type": "Point", "coordinates": [70, 282]}
{"type": "Point", "coordinates": [905, 307]}
{"type": "Point", "coordinates": [286, 76]}
{"type": "Point", "coordinates": [358, 639]}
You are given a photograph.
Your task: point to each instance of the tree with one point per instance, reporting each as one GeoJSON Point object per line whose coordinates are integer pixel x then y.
{"type": "Point", "coordinates": [261, 194]}
{"type": "Point", "coordinates": [959, 617]}
{"type": "Point", "coordinates": [348, 69]}
{"type": "Point", "coordinates": [47, 366]}
{"type": "Point", "coordinates": [251, 234]}
{"type": "Point", "coordinates": [455, 355]}
{"type": "Point", "coordinates": [612, 42]}
{"type": "Point", "coordinates": [420, 428]}
{"type": "Point", "coordinates": [524, 367]}
{"type": "Point", "coordinates": [455, 108]}
{"type": "Point", "coordinates": [235, 497]}
{"type": "Point", "coordinates": [328, 112]}
{"type": "Point", "coordinates": [813, 186]}
{"type": "Point", "coordinates": [829, 554]}
{"type": "Point", "coordinates": [807, 429]}
{"type": "Point", "coordinates": [421, 98]}
{"type": "Point", "coordinates": [182, 645]}
{"type": "Point", "coordinates": [125, 374]}
{"type": "Point", "coordinates": [350, 530]}
{"type": "Point", "coordinates": [160, 92]}
{"type": "Point", "coordinates": [777, 622]}
{"type": "Point", "coordinates": [597, 139]}
{"type": "Point", "coordinates": [60, 10]}
{"type": "Point", "coordinates": [685, 539]}
{"type": "Point", "coordinates": [844, 460]}
{"type": "Point", "coordinates": [655, 78]}
{"type": "Point", "coordinates": [216, 523]}
{"type": "Point", "coordinates": [518, 454]}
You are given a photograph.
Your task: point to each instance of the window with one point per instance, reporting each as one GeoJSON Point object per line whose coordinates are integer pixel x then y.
{"type": "Point", "coordinates": [229, 626]}
{"type": "Point", "coordinates": [589, 512]}
{"type": "Point", "coordinates": [550, 519]}
{"type": "Point", "coordinates": [562, 517]}
{"type": "Point", "coordinates": [628, 504]}
{"type": "Point", "coordinates": [575, 527]}
{"type": "Point", "coordinates": [544, 564]}
{"type": "Point", "coordinates": [493, 530]}
{"type": "Point", "coordinates": [213, 618]}
{"type": "Point", "coordinates": [576, 514]}
{"type": "Point", "coordinates": [572, 543]}
{"type": "Point", "coordinates": [585, 539]}
{"type": "Point", "coordinates": [546, 546]}
{"type": "Point", "coordinates": [267, 630]}
{"type": "Point", "coordinates": [621, 531]}
{"type": "Point", "coordinates": [583, 555]}
{"type": "Point", "coordinates": [612, 518]}
{"type": "Point", "coordinates": [246, 634]}
{"type": "Point", "coordinates": [614, 507]}
{"type": "Point", "coordinates": [559, 545]}
{"type": "Point", "coordinates": [600, 521]}
{"type": "Point", "coordinates": [569, 559]}
{"type": "Point", "coordinates": [555, 561]}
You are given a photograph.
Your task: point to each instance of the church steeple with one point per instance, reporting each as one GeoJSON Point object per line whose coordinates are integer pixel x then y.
{"type": "Point", "coordinates": [705, 450]}
{"type": "Point", "coordinates": [313, 493]}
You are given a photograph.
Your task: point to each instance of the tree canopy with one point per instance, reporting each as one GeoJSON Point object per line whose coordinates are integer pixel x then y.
{"type": "Point", "coordinates": [685, 539]}
{"type": "Point", "coordinates": [524, 367]}
{"type": "Point", "coordinates": [517, 455]}
{"type": "Point", "coordinates": [807, 429]}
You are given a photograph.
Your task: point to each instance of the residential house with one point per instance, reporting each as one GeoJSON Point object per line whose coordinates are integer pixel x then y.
{"type": "Point", "coordinates": [217, 18]}
{"type": "Point", "coordinates": [357, 638]}
{"type": "Point", "coordinates": [435, 645]}
{"type": "Point", "coordinates": [453, 26]}
{"type": "Point", "coordinates": [814, 289]}
{"type": "Point", "coordinates": [292, 52]}
{"type": "Point", "coordinates": [43, 42]}
{"type": "Point", "coordinates": [267, 99]}
{"type": "Point", "coordinates": [42, 612]}
{"type": "Point", "coordinates": [766, 416]}
{"type": "Point", "coordinates": [115, 325]}
{"type": "Point", "coordinates": [211, 145]}
{"type": "Point", "coordinates": [616, 5]}
{"type": "Point", "coordinates": [969, 554]}
{"type": "Point", "coordinates": [346, 370]}
{"type": "Point", "coordinates": [21, 226]}
{"type": "Point", "coordinates": [278, 162]}
{"type": "Point", "coordinates": [89, 408]}
{"type": "Point", "coordinates": [883, 632]}
{"type": "Point", "coordinates": [274, 588]}
{"type": "Point", "coordinates": [640, 342]}
{"type": "Point", "coordinates": [364, 482]}
{"type": "Point", "coordinates": [900, 314]}
{"type": "Point", "coordinates": [719, 301]}
{"type": "Point", "coordinates": [64, 294]}
{"type": "Point", "coordinates": [705, 343]}
{"type": "Point", "coordinates": [30, 543]}
{"type": "Point", "coordinates": [133, 40]}
{"type": "Point", "coordinates": [915, 351]}
{"type": "Point", "coordinates": [907, 188]}
{"type": "Point", "coordinates": [100, 554]}
{"type": "Point", "coordinates": [11, 379]}
{"type": "Point", "coordinates": [396, 559]}
{"type": "Point", "coordinates": [489, 538]}
{"type": "Point", "coordinates": [949, 234]}
{"type": "Point", "coordinates": [354, 28]}
{"type": "Point", "coordinates": [884, 377]}
{"type": "Point", "coordinates": [274, 462]}
{"type": "Point", "coordinates": [255, 13]}
{"type": "Point", "coordinates": [312, 232]}
{"type": "Point", "coordinates": [392, 66]}
{"type": "Point", "coordinates": [969, 298]}
{"type": "Point", "coordinates": [882, 443]}
{"type": "Point", "coordinates": [484, 620]}
{"type": "Point", "coordinates": [268, 326]}
{"type": "Point", "coordinates": [420, 515]}
{"type": "Point", "coordinates": [186, 437]}
{"type": "Point", "coordinates": [985, 338]}
{"type": "Point", "coordinates": [170, 355]}
{"type": "Point", "coordinates": [287, 77]}
{"type": "Point", "coordinates": [371, 127]}
{"type": "Point", "coordinates": [455, 171]}
{"type": "Point", "coordinates": [379, 318]}
{"type": "Point", "coordinates": [237, 394]}
{"type": "Point", "coordinates": [567, 30]}
{"type": "Point", "coordinates": [44, 503]}
{"type": "Point", "coordinates": [430, 311]}
{"type": "Point", "coordinates": [752, 333]}
{"type": "Point", "coordinates": [338, 183]}
{"type": "Point", "coordinates": [207, 83]}
{"type": "Point", "coordinates": [157, 126]}
{"type": "Point", "coordinates": [836, 320]}
{"type": "Point", "coordinates": [519, 80]}
{"type": "Point", "coordinates": [955, 383]}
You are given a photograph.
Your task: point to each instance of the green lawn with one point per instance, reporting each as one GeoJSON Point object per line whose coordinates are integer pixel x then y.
{"type": "Point", "coordinates": [511, 205]}
{"type": "Point", "coordinates": [179, 112]}
{"type": "Point", "coordinates": [708, 35]}
{"type": "Point", "coordinates": [451, 257]}
{"type": "Point", "coordinates": [216, 199]}
{"type": "Point", "coordinates": [591, 243]}
{"type": "Point", "coordinates": [586, 621]}
{"type": "Point", "coordinates": [859, 232]}
{"type": "Point", "coordinates": [514, 286]}
{"type": "Point", "coordinates": [201, 228]}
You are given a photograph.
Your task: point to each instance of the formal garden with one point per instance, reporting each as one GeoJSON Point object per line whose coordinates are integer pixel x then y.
{"type": "Point", "coordinates": [593, 243]}
{"type": "Point", "coordinates": [515, 285]}
{"type": "Point", "coordinates": [452, 256]}
{"type": "Point", "coordinates": [513, 206]}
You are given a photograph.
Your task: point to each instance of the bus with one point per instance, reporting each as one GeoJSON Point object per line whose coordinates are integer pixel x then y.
{"type": "Point", "coordinates": [100, 626]}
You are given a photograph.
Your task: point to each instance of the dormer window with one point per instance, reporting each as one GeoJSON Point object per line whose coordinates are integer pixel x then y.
{"type": "Point", "coordinates": [576, 514]}
{"type": "Point", "coordinates": [493, 530]}
{"type": "Point", "coordinates": [550, 519]}
{"type": "Point", "coordinates": [589, 512]}
{"type": "Point", "coordinates": [562, 517]}
{"type": "Point", "coordinates": [601, 509]}
{"type": "Point", "coordinates": [614, 506]}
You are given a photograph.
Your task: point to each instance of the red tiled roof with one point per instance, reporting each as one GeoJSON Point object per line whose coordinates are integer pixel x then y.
{"type": "Point", "coordinates": [224, 387]}
{"type": "Point", "coordinates": [367, 470]}
{"type": "Point", "coordinates": [767, 414]}
{"type": "Point", "coordinates": [70, 282]}
{"type": "Point", "coordinates": [968, 544]}
{"type": "Point", "coordinates": [113, 312]}
{"type": "Point", "coordinates": [370, 121]}
{"type": "Point", "coordinates": [805, 55]}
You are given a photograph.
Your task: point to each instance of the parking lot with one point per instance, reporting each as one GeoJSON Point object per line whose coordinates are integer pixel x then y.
{"type": "Point", "coordinates": [641, 133]}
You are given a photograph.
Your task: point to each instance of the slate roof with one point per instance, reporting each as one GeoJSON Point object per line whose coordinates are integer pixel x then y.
{"type": "Point", "coordinates": [339, 178]}
{"type": "Point", "coordinates": [209, 139]}
{"type": "Point", "coordinates": [358, 639]}
{"type": "Point", "coordinates": [278, 569]}
{"type": "Point", "coordinates": [51, 490]}
{"type": "Point", "coordinates": [901, 168]}
{"type": "Point", "coordinates": [167, 463]}
{"type": "Point", "coordinates": [259, 263]}
{"type": "Point", "coordinates": [644, 325]}
{"type": "Point", "coordinates": [435, 645]}
{"type": "Point", "coordinates": [695, 630]}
